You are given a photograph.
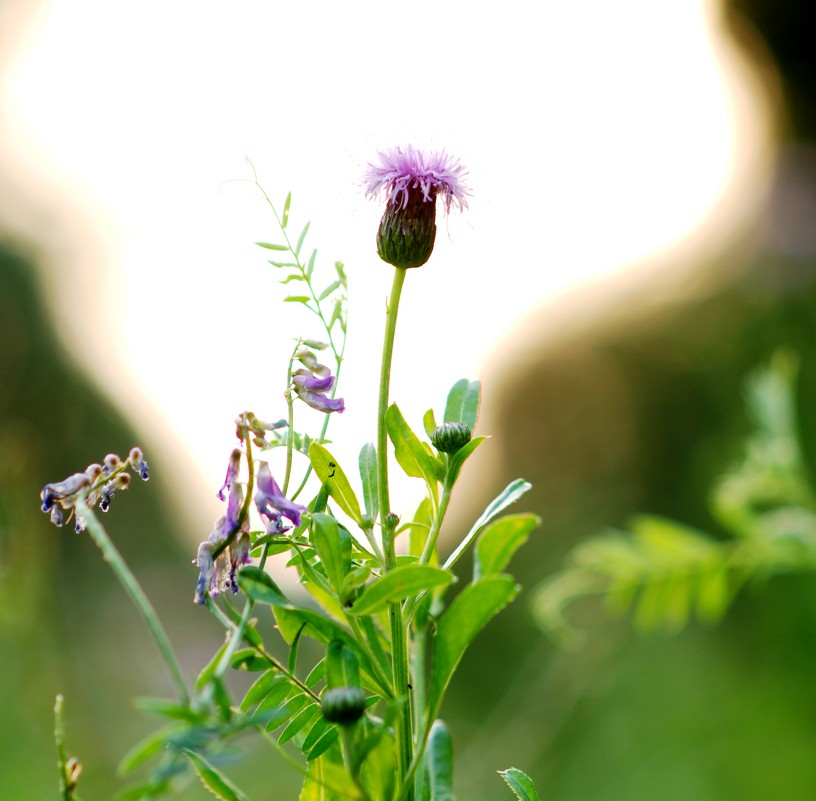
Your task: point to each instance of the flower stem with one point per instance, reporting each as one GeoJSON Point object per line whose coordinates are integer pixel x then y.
{"type": "Point", "coordinates": [399, 647]}
{"type": "Point", "coordinates": [136, 593]}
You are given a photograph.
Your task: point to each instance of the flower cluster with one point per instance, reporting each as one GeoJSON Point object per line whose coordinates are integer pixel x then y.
{"type": "Point", "coordinates": [97, 484]}
{"type": "Point", "coordinates": [313, 382]}
{"type": "Point", "coordinates": [227, 548]}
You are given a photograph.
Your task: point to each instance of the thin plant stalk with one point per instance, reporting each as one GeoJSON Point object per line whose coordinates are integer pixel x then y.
{"type": "Point", "coordinates": [399, 646]}
{"type": "Point", "coordinates": [132, 587]}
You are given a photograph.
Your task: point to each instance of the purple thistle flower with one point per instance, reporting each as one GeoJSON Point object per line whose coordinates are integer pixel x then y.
{"type": "Point", "coordinates": [411, 182]}
{"type": "Point", "coordinates": [401, 174]}
{"type": "Point", "coordinates": [271, 502]}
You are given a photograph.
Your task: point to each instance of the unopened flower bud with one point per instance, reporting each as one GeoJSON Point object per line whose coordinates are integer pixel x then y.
{"type": "Point", "coordinates": [392, 520]}
{"type": "Point", "coordinates": [343, 705]}
{"type": "Point", "coordinates": [450, 437]}
{"type": "Point", "coordinates": [112, 461]}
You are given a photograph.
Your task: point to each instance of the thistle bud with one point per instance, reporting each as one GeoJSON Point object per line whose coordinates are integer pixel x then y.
{"type": "Point", "coordinates": [450, 437]}
{"type": "Point", "coordinates": [343, 705]}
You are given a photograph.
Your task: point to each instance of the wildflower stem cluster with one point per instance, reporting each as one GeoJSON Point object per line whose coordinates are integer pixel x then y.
{"type": "Point", "coordinates": [360, 722]}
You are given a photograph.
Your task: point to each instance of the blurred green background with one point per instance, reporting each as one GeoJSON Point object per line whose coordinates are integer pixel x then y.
{"type": "Point", "coordinates": [636, 412]}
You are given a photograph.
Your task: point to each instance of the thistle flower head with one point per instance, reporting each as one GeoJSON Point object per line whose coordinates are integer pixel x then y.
{"type": "Point", "coordinates": [401, 173]}
{"type": "Point", "coordinates": [411, 181]}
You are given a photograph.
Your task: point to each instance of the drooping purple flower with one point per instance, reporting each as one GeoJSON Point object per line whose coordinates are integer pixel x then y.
{"type": "Point", "coordinates": [312, 389]}
{"type": "Point", "coordinates": [232, 473]}
{"type": "Point", "coordinates": [411, 181]}
{"type": "Point", "coordinates": [217, 573]}
{"type": "Point", "coordinates": [271, 503]}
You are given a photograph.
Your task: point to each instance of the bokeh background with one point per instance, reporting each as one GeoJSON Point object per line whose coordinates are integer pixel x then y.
{"type": "Point", "coordinates": [640, 237]}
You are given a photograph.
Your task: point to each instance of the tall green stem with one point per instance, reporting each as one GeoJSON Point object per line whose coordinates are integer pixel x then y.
{"type": "Point", "coordinates": [134, 590]}
{"type": "Point", "coordinates": [399, 646]}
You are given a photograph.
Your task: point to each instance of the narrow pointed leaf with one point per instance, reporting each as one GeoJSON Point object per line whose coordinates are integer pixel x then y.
{"type": "Point", "coordinates": [408, 449]}
{"type": "Point", "coordinates": [328, 290]}
{"type": "Point", "coordinates": [469, 613]}
{"type": "Point", "coordinates": [458, 458]}
{"type": "Point", "coordinates": [510, 494]}
{"type": "Point", "coordinates": [271, 246]}
{"type": "Point", "coordinates": [520, 783]}
{"type": "Point", "coordinates": [333, 546]}
{"type": "Point", "coordinates": [439, 758]}
{"type": "Point", "coordinates": [368, 475]}
{"type": "Point", "coordinates": [215, 781]}
{"type": "Point", "coordinates": [286, 206]}
{"type": "Point", "coordinates": [301, 238]}
{"type": "Point", "coordinates": [329, 472]}
{"type": "Point", "coordinates": [398, 584]}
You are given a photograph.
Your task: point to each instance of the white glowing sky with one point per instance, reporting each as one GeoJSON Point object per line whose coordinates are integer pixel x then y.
{"type": "Point", "coordinates": [595, 133]}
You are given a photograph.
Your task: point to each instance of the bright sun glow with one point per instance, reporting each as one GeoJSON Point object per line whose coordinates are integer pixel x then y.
{"type": "Point", "coordinates": [595, 133]}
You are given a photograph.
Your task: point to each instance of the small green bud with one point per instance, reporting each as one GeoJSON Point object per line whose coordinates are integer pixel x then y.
{"type": "Point", "coordinates": [392, 520]}
{"type": "Point", "coordinates": [343, 705]}
{"type": "Point", "coordinates": [450, 437]}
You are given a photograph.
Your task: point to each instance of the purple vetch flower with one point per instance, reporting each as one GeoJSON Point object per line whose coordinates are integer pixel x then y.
{"type": "Point", "coordinates": [411, 181]}
{"type": "Point", "coordinates": [217, 573]}
{"type": "Point", "coordinates": [232, 473]}
{"type": "Point", "coordinates": [271, 503]}
{"type": "Point", "coordinates": [312, 389]}
{"type": "Point", "coordinates": [96, 485]}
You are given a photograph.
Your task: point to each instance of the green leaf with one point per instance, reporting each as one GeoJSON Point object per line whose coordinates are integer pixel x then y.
{"type": "Point", "coordinates": [296, 299]}
{"type": "Point", "coordinates": [270, 246]}
{"type": "Point", "coordinates": [259, 586]}
{"type": "Point", "coordinates": [409, 450]}
{"type": "Point", "coordinates": [463, 403]}
{"type": "Point", "coordinates": [299, 722]}
{"type": "Point", "coordinates": [301, 238]}
{"type": "Point", "coordinates": [311, 264]}
{"type": "Point", "coordinates": [342, 666]}
{"type": "Point", "coordinates": [510, 494]}
{"type": "Point", "coordinates": [500, 540]}
{"type": "Point", "coordinates": [168, 709]}
{"type": "Point", "coordinates": [328, 290]}
{"type": "Point", "coordinates": [397, 584]}
{"type": "Point", "coordinates": [368, 475]}
{"type": "Point", "coordinates": [379, 769]}
{"type": "Point", "coordinates": [215, 781]}
{"type": "Point", "coordinates": [328, 737]}
{"type": "Point", "coordinates": [208, 671]}
{"type": "Point", "coordinates": [333, 546]}
{"type": "Point", "coordinates": [328, 781]}
{"type": "Point", "coordinates": [275, 697]}
{"type": "Point", "coordinates": [286, 205]}
{"type": "Point", "coordinates": [469, 613]}
{"type": "Point", "coordinates": [317, 730]}
{"type": "Point", "coordinates": [429, 422]}
{"type": "Point", "coordinates": [329, 472]}
{"type": "Point", "coordinates": [520, 783]}
{"type": "Point", "coordinates": [286, 711]}
{"type": "Point", "coordinates": [149, 747]}
{"type": "Point", "coordinates": [439, 758]}
{"type": "Point", "coordinates": [458, 459]}
{"type": "Point", "coordinates": [261, 687]}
